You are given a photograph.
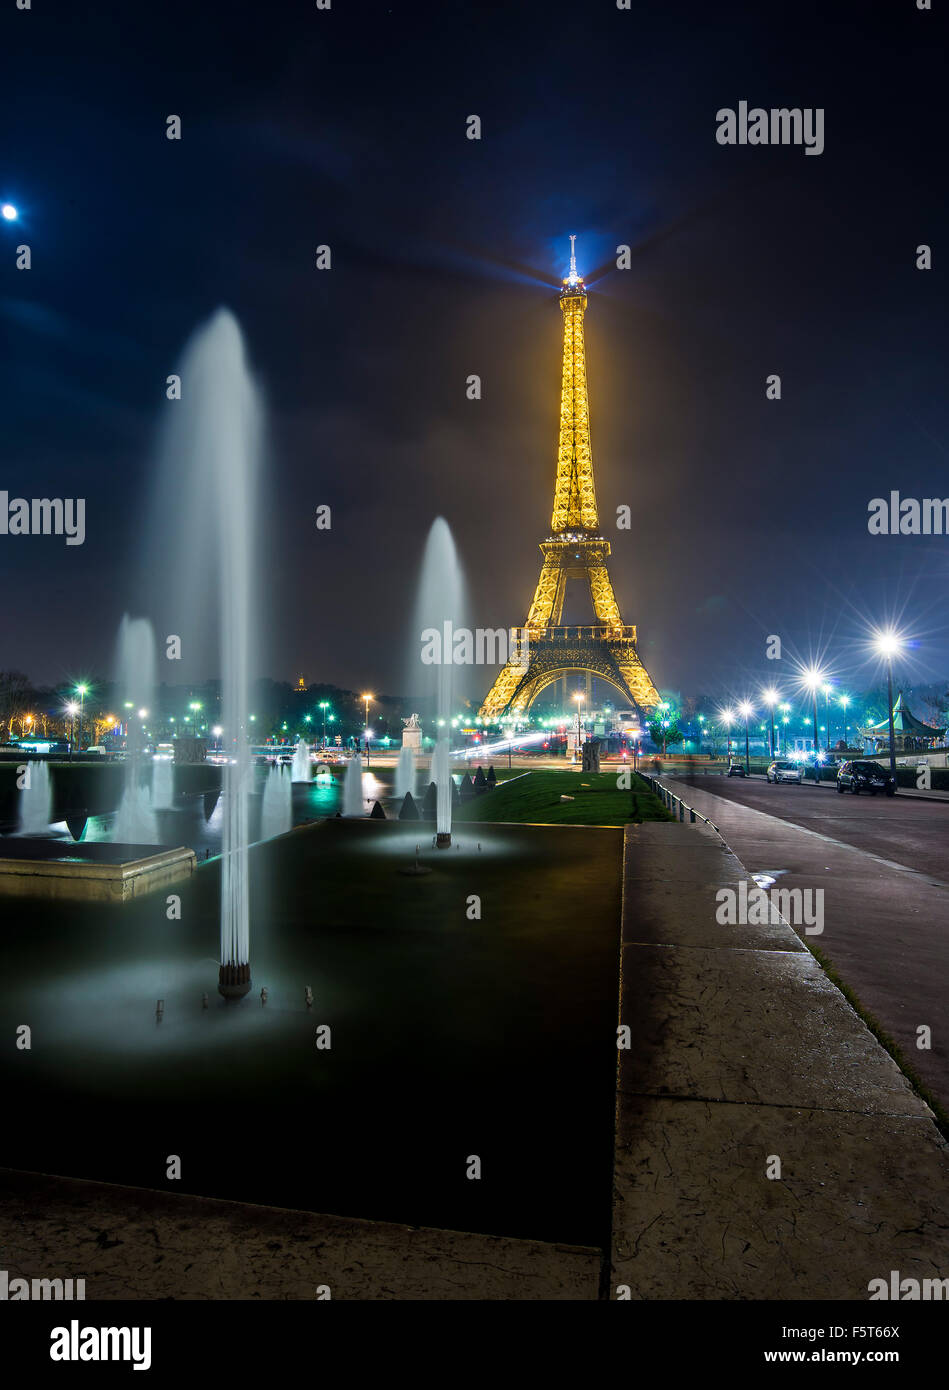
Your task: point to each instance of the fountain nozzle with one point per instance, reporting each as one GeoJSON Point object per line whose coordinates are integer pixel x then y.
{"type": "Point", "coordinates": [234, 981]}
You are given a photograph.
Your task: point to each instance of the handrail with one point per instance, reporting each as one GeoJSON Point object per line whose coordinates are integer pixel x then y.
{"type": "Point", "coordinates": [670, 800]}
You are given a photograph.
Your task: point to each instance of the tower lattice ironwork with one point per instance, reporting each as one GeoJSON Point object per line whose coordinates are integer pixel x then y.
{"type": "Point", "coordinates": [542, 650]}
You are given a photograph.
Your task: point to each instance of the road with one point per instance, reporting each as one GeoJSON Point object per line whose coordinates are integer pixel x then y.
{"type": "Point", "coordinates": [911, 832]}
{"type": "Point", "coordinates": [883, 866]}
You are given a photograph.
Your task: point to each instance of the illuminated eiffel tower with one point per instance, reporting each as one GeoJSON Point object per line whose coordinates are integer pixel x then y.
{"type": "Point", "coordinates": [543, 651]}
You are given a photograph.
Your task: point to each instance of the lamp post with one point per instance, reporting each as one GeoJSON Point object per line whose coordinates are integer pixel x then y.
{"type": "Point", "coordinates": [812, 679]}
{"type": "Point", "coordinates": [366, 699]}
{"type": "Point", "coordinates": [81, 692]}
{"type": "Point", "coordinates": [828, 691]}
{"type": "Point", "coordinates": [324, 706]}
{"type": "Point", "coordinates": [771, 699]}
{"type": "Point", "coordinates": [888, 644]}
{"type": "Point", "coordinates": [576, 752]}
{"type": "Point", "coordinates": [745, 709]}
{"type": "Point", "coordinates": [725, 718]}
{"type": "Point", "coordinates": [786, 721]}
{"type": "Point", "coordinates": [71, 711]}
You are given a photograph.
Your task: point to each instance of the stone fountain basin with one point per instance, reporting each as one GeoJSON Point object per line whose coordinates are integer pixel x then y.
{"type": "Point", "coordinates": [37, 866]}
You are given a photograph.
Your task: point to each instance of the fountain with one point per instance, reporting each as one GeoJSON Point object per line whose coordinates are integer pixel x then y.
{"type": "Point", "coordinates": [36, 800]}
{"type": "Point", "coordinates": [135, 822]}
{"type": "Point", "coordinates": [352, 788]}
{"type": "Point", "coordinates": [405, 774]}
{"type": "Point", "coordinates": [440, 614]}
{"type": "Point", "coordinates": [300, 770]}
{"type": "Point", "coordinates": [163, 785]}
{"type": "Point", "coordinates": [276, 816]}
{"type": "Point", "coordinates": [208, 478]}
{"type": "Point", "coordinates": [441, 776]}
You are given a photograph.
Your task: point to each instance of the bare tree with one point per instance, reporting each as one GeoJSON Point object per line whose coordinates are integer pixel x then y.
{"type": "Point", "coordinates": [15, 697]}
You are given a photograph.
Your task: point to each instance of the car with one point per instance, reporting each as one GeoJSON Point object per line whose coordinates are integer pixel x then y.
{"type": "Point", "coordinates": [781, 771]}
{"type": "Point", "coordinates": [863, 775]}
{"type": "Point", "coordinates": [736, 769]}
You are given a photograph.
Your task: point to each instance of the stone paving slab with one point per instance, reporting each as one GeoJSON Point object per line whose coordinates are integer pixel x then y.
{"type": "Point", "coordinates": [130, 1243]}
{"type": "Point", "coordinates": [697, 1217]}
{"type": "Point", "coordinates": [667, 900]}
{"type": "Point", "coordinates": [752, 1025]}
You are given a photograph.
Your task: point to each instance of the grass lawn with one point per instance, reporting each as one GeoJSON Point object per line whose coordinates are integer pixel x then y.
{"type": "Point", "coordinates": [535, 798]}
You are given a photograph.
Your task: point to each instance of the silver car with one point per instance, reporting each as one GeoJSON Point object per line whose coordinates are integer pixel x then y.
{"type": "Point", "coordinates": [784, 772]}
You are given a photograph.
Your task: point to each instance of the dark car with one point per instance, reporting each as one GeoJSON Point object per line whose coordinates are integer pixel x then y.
{"type": "Point", "coordinates": [736, 770]}
{"type": "Point", "coordinates": [862, 775]}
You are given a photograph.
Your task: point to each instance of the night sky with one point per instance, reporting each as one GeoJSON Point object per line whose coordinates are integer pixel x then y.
{"type": "Point", "coordinates": [347, 127]}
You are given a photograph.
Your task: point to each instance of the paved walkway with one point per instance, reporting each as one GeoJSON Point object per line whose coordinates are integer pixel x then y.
{"type": "Point", "coordinates": [886, 926]}
{"type": "Point", "coordinates": [743, 1053]}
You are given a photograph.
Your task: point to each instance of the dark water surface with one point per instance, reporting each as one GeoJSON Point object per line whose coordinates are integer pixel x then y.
{"type": "Point", "coordinates": [450, 1037]}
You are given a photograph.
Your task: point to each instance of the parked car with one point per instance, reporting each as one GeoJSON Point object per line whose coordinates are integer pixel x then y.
{"type": "Point", "coordinates": [781, 771]}
{"type": "Point", "coordinates": [736, 769]}
{"type": "Point", "coordinates": [862, 775]}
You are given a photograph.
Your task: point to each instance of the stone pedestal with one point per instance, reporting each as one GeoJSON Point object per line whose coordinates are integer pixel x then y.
{"type": "Point", "coordinates": [189, 749]}
{"type": "Point", "coordinates": [591, 756]}
{"type": "Point", "coordinates": [412, 738]}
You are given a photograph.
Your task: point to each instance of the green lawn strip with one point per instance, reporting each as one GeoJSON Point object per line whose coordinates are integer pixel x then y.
{"type": "Point", "coordinates": [536, 799]}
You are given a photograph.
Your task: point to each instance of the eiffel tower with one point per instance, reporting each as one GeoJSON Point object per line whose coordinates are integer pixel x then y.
{"type": "Point", "coordinates": [543, 651]}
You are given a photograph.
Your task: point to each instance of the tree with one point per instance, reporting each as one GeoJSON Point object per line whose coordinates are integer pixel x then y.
{"type": "Point", "coordinates": [16, 696]}
{"type": "Point", "coordinates": [665, 737]}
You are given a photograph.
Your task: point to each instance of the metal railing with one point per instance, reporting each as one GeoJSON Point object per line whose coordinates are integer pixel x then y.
{"type": "Point", "coordinates": [676, 805]}
{"type": "Point", "coordinates": [597, 632]}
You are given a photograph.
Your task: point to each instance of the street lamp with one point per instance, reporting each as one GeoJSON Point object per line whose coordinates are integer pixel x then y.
{"type": "Point", "coordinates": [324, 706]}
{"type": "Point", "coordinates": [81, 692]}
{"type": "Point", "coordinates": [888, 644]}
{"type": "Point", "coordinates": [813, 678]}
{"type": "Point", "coordinates": [746, 710]}
{"type": "Point", "coordinates": [365, 699]}
{"type": "Point", "coordinates": [770, 697]}
{"type": "Point", "coordinates": [725, 717]}
{"type": "Point", "coordinates": [71, 709]}
{"type": "Point", "coordinates": [579, 699]}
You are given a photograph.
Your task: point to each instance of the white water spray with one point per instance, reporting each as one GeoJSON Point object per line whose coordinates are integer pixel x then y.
{"type": "Point", "coordinates": [135, 822]}
{"type": "Point", "coordinates": [405, 773]}
{"type": "Point", "coordinates": [440, 609]}
{"type": "Point", "coordinates": [210, 468]}
{"type": "Point", "coordinates": [276, 815]}
{"type": "Point", "coordinates": [300, 769]}
{"type": "Point", "coordinates": [36, 800]}
{"type": "Point", "coordinates": [352, 788]}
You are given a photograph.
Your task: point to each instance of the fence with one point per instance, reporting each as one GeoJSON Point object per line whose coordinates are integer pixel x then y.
{"type": "Point", "coordinates": [676, 805]}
